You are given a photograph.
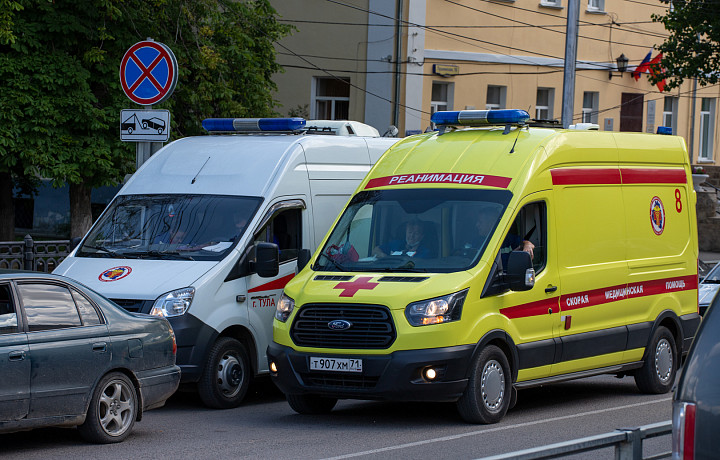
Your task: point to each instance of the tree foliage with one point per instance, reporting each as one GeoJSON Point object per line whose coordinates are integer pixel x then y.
{"type": "Point", "coordinates": [60, 94]}
{"type": "Point", "coordinates": [693, 48]}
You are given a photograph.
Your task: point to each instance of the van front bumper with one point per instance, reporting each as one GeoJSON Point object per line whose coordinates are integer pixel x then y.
{"type": "Point", "coordinates": [396, 376]}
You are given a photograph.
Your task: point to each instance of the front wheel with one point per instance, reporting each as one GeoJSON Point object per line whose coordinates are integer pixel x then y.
{"type": "Point", "coordinates": [227, 373]}
{"type": "Point", "coordinates": [112, 412]}
{"type": "Point", "coordinates": [311, 404]}
{"type": "Point", "coordinates": [488, 394]}
{"type": "Point", "coordinates": [660, 364]}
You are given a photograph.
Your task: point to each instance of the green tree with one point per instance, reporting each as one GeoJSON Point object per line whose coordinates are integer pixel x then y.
{"type": "Point", "coordinates": [60, 94]}
{"type": "Point", "coordinates": [693, 48]}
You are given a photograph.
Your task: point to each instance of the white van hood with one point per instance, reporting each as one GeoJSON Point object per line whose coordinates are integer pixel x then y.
{"type": "Point", "coordinates": [138, 279]}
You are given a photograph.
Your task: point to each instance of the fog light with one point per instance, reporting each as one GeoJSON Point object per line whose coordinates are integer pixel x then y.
{"type": "Point", "coordinates": [430, 374]}
{"type": "Point", "coordinates": [273, 367]}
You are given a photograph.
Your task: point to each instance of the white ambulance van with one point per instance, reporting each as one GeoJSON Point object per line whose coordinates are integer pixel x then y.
{"type": "Point", "coordinates": [208, 231]}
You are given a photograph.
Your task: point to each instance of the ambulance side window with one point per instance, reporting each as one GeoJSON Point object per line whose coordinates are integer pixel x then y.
{"type": "Point", "coordinates": [531, 225]}
{"type": "Point", "coordinates": [285, 230]}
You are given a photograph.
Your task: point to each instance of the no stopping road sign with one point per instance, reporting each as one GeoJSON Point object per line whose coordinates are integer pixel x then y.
{"type": "Point", "coordinates": [148, 72]}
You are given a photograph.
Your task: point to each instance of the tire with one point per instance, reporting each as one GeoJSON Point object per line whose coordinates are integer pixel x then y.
{"type": "Point", "coordinates": [226, 377]}
{"type": "Point", "coordinates": [112, 411]}
{"type": "Point", "coordinates": [660, 364]}
{"type": "Point", "coordinates": [311, 404]}
{"type": "Point", "coordinates": [488, 394]}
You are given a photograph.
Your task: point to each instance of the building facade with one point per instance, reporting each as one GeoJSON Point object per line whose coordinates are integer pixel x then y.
{"type": "Point", "coordinates": [396, 62]}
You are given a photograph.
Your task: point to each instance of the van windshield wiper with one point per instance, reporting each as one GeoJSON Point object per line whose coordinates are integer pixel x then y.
{"type": "Point", "coordinates": [107, 251]}
{"type": "Point", "coordinates": [408, 266]}
{"type": "Point", "coordinates": [334, 262]}
{"type": "Point", "coordinates": [162, 255]}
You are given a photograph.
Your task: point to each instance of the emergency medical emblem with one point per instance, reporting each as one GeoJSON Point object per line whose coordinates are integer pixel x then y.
{"type": "Point", "coordinates": [114, 274]}
{"type": "Point", "coordinates": [657, 215]}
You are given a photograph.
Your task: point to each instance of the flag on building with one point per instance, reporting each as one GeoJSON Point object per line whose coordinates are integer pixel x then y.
{"type": "Point", "coordinates": [655, 69]}
{"type": "Point", "coordinates": [643, 67]}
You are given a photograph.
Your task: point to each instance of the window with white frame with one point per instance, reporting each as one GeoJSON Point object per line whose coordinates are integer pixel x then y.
{"type": "Point", "coordinates": [707, 124]}
{"type": "Point", "coordinates": [544, 103]}
{"type": "Point", "coordinates": [331, 99]}
{"type": "Point", "coordinates": [596, 5]}
{"type": "Point", "coordinates": [441, 97]}
{"type": "Point", "coordinates": [591, 103]}
{"type": "Point", "coordinates": [669, 116]}
{"type": "Point", "coordinates": [551, 3]}
{"type": "Point", "coordinates": [495, 97]}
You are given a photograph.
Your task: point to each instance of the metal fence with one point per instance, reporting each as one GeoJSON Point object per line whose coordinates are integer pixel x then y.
{"type": "Point", "coordinates": [42, 256]}
{"type": "Point", "coordinates": [628, 443]}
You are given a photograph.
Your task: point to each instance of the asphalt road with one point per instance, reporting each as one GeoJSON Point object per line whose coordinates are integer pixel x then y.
{"type": "Point", "coordinates": [266, 427]}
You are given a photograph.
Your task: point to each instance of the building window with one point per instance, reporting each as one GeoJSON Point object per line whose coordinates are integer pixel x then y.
{"type": "Point", "coordinates": [441, 98]}
{"type": "Point", "coordinates": [544, 104]}
{"type": "Point", "coordinates": [590, 107]}
{"type": "Point", "coordinates": [496, 97]}
{"type": "Point", "coordinates": [331, 99]}
{"type": "Point", "coordinates": [551, 3]}
{"type": "Point", "coordinates": [669, 117]}
{"type": "Point", "coordinates": [707, 122]}
{"type": "Point", "coordinates": [596, 5]}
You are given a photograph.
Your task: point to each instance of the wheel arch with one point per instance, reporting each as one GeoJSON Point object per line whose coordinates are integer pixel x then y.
{"type": "Point", "coordinates": [502, 340]}
{"type": "Point", "coordinates": [245, 337]}
{"type": "Point", "coordinates": [136, 384]}
{"type": "Point", "coordinates": [669, 320]}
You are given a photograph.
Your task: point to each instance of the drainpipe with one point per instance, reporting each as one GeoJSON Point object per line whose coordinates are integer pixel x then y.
{"type": "Point", "coordinates": [692, 120]}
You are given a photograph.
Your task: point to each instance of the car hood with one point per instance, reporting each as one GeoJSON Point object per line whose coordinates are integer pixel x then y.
{"type": "Point", "coordinates": [706, 292]}
{"type": "Point", "coordinates": [133, 278]}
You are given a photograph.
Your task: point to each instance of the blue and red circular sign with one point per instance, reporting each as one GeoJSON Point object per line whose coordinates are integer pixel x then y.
{"type": "Point", "coordinates": [148, 72]}
{"type": "Point", "coordinates": [114, 274]}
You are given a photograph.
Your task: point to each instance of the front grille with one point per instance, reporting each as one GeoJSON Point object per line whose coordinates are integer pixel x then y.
{"type": "Point", "coordinates": [131, 305]}
{"type": "Point", "coordinates": [329, 379]}
{"type": "Point", "coordinates": [372, 326]}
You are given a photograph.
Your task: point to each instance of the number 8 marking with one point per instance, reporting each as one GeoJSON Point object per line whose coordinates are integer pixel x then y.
{"type": "Point", "coordinates": [678, 203]}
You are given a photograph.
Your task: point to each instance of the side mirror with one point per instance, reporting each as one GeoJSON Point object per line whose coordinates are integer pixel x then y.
{"type": "Point", "coordinates": [267, 258]}
{"type": "Point", "coordinates": [74, 242]}
{"type": "Point", "coordinates": [520, 273]}
{"type": "Point", "coordinates": [303, 259]}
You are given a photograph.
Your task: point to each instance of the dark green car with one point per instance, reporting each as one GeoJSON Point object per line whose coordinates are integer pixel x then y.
{"type": "Point", "coordinates": [71, 357]}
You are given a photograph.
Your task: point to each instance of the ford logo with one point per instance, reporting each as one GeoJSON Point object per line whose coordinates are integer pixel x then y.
{"type": "Point", "coordinates": [339, 325]}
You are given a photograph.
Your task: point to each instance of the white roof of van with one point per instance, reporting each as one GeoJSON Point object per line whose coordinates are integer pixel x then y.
{"type": "Point", "coordinates": [345, 127]}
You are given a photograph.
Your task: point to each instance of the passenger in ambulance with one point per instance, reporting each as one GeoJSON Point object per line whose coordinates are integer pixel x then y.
{"type": "Point", "coordinates": [412, 245]}
{"type": "Point", "coordinates": [513, 242]}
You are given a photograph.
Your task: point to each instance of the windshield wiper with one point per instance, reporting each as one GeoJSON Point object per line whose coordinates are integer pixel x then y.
{"type": "Point", "coordinates": [107, 251]}
{"type": "Point", "coordinates": [162, 255]}
{"type": "Point", "coordinates": [408, 266]}
{"type": "Point", "coordinates": [334, 262]}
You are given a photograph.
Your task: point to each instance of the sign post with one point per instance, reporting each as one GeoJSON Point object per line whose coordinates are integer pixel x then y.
{"type": "Point", "coordinates": [148, 75]}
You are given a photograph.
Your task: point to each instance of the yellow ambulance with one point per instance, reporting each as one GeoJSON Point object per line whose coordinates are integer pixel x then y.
{"type": "Point", "coordinates": [491, 256]}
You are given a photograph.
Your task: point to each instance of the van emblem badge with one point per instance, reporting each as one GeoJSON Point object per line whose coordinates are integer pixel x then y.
{"type": "Point", "coordinates": [114, 274]}
{"type": "Point", "coordinates": [657, 215]}
{"type": "Point", "coordinates": [339, 325]}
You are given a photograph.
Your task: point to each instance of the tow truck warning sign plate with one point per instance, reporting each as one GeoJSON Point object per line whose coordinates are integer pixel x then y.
{"type": "Point", "coordinates": [144, 125]}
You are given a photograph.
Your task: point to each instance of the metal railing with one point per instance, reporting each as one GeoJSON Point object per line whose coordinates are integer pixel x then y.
{"type": "Point", "coordinates": [42, 256]}
{"type": "Point", "coordinates": [628, 443]}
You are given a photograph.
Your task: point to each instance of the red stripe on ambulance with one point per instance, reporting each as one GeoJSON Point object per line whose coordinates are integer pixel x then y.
{"type": "Point", "coordinates": [622, 176]}
{"type": "Point", "coordinates": [274, 284]}
{"type": "Point", "coordinates": [440, 178]}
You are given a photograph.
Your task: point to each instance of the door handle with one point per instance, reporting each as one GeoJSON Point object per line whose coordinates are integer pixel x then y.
{"type": "Point", "coordinates": [16, 355]}
{"type": "Point", "coordinates": [550, 289]}
{"type": "Point", "coordinates": [100, 347]}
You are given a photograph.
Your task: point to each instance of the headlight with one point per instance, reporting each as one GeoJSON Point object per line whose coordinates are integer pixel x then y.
{"type": "Point", "coordinates": [284, 307]}
{"type": "Point", "coordinates": [173, 303]}
{"type": "Point", "coordinates": [437, 310]}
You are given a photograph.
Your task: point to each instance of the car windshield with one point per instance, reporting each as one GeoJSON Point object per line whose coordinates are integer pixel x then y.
{"type": "Point", "coordinates": [170, 227]}
{"type": "Point", "coordinates": [713, 277]}
{"type": "Point", "coordinates": [418, 230]}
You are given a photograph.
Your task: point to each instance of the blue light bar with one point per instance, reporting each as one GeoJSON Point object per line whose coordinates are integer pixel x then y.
{"type": "Point", "coordinates": [254, 125]}
{"type": "Point", "coordinates": [481, 117]}
{"type": "Point", "coordinates": [665, 130]}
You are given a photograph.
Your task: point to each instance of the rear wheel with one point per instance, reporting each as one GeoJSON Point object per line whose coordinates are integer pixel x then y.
{"type": "Point", "coordinates": [660, 365]}
{"type": "Point", "coordinates": [488, 394]}
{"type": "Point", "coordinates": [227, 373]}
{"type": "Point", "coordinates": [112, 412]}
{"type": "Point", "coordinates": [311, 404]}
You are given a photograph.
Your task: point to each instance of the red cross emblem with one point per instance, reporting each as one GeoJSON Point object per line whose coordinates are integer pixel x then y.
{"type": "Point", "coordinates": [351, 287]}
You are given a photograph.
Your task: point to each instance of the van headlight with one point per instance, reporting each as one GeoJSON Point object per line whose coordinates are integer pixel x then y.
{"type": "Point", "coordinates": [438, 310]}
{"type": "Point", "coordinates": [284, 307]}
{"type": "Point", "coordinates": [174, 303]}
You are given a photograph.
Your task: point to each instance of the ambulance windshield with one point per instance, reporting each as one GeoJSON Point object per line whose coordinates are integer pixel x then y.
{"type": "Point", "coordinates": [418, 230]}
{"type": "Point", "coordinates": [170, 227]}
